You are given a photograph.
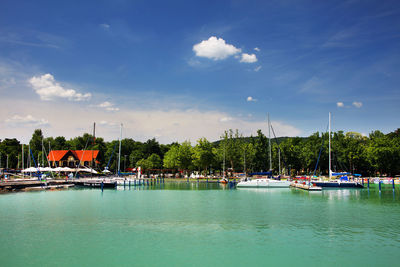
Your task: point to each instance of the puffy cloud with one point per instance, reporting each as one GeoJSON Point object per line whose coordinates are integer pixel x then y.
{"type": "Point", "coordinates": [251, 99]}
{"type": "Point", "coordinates": [247, 58]}
{"type": "Point", "coordinates": [28, 120]}
{"type": "Point", "coordinates": [357, 104]}
{"type": "Point", "coordinates": [107, 106]}
{"type": "Point", "coordinates": [256, 69]}
{"type": "Point", "coordinates": [215, 48]}
{"type": "Point", "coordinates": [105, 26]}
{"type": "Point", "coordinates": [340, 104]}
{"type": "Point", "coordinates": [257, 49]}
{"type": "Point", "coordinates": [48, 89]}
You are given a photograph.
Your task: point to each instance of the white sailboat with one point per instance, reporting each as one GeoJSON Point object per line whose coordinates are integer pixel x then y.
{"type": "Point", "coordinates": [265, 182]}
{"type": "Point", "coordinates": [122, 181]}
{"type": "Point", "coordinates": [337, 183]}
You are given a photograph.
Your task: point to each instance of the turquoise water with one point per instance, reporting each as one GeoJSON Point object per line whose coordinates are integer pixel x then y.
{"type": "Point", "coordinates": [200, 225]}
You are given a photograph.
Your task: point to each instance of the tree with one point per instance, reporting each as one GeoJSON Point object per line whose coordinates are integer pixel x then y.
{"type": "Point", "coordinates": [154, 161]}
{"type": "Point", "coordinates": [36, 143]}
{"type": "Point", "coordinates": [203, 154]}
{"type": "Point", "coordinates": [171, 158]}
{"type": "Point", "coordinates": [12, 149]}
{"type": "Point", "coordinates": [260, 145]}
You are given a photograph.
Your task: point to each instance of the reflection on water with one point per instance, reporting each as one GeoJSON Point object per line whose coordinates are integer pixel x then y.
{"type": "Point", "coordinates": [187, 223]}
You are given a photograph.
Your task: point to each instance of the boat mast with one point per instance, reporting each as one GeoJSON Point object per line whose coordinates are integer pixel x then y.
{"type": "Point", "coordinates": [330, 172]}
{"type": "Point", "coordinates": [279, 160]}
{"type": "Point", "coordinates": [119, 152]}
{"type": "Point", "coordinates": [269, 143]}
{"type": "Point", "coordinates": [93, 162]}
{"type": "Point", "coordinates": [223, 165]}
{"type": "Point", "coordinates": [42, 153]}
{"type": "Point", "coordinates": [22, 160]}
{"type": "Point", "coordinates": [244, 167]}
{"type": "Point", "coordinates": [29, 158]}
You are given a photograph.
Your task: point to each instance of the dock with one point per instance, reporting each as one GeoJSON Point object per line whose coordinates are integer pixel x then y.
{"type": "Point", "coordinates": [16, 185]}
{"type": "Point", "coordinates": [306, 187]}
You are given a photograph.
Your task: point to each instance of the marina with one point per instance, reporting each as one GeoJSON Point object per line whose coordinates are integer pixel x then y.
{"type": "Point", "coordinates": [184, 221]}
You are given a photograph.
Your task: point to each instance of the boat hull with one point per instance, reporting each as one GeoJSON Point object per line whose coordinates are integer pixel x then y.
{"type": "Point", "coordinates": [338, 184]}
{"type": "Point", "coordinates": [264, 183]}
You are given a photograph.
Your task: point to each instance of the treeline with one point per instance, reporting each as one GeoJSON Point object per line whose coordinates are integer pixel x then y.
{"type": "Point", "coordinates": [377, 154]}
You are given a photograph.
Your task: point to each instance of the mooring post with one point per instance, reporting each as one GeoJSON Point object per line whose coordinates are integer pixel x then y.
{"type": "Point", "coordinates": [393, 184]}
{"type": "Point", "coordinates": [147, 182]}
{"type": "Point", "coordinates": [102, 186]}
{"type": "Point", "coordinates": [368, 183]}
{"type": "Point", "coordinates": [124, 183]}
{"type": "Point", "coordinates": [207, 180]}
{"type": "Point", "coordinates": [129, 183]}
{"type": "Point", "coordinates": [380, 186]}
{"type": "Point", "coordinates": [362, 180]}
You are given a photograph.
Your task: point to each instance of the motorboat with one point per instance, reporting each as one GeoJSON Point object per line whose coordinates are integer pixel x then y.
{"type": "Point", "coordinates": [264, 182]}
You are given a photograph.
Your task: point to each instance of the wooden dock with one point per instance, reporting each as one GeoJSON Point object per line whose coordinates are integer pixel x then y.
{"type": "Point", "coordinates": [306, 187]}
{"type": "Point", "coordinates": [15, 185]}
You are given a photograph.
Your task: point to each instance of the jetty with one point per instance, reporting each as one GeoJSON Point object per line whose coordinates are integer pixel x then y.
{"type": "Point", "coordinates": [305, 186]}
{"type": "Point", "coordinates": [27, 184]}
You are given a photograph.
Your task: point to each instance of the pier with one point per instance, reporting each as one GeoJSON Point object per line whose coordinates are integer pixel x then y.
{"type": "Point", "coordinates": [15, 185]}
{"type": "Point", "coordinates": [306, 187]}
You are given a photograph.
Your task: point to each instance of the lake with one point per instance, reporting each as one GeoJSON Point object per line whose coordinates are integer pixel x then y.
{"type": "Point", "coordinates": [180, 224]}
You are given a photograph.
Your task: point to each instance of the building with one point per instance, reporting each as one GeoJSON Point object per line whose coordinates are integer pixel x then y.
{"type": "Point", "coordinates": [73, 158]}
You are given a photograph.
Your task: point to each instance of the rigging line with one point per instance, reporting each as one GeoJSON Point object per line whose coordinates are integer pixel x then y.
{"type": "Point", "coordinates": [45, 153]}
{"type": "Point", "coordinates": [112, 153]}
{"type": "Point", "coordinates": [276, 141]}
{"type": "Point", "coordinates": [80, 161]}
{"type": "Point", "coordinates": [320, 150]}
{"type": "Point", "coordinates": [34, 161]}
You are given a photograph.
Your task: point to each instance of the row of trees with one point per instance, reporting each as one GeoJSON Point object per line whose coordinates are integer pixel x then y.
{"type": "Point", "coordinates": [376, 154]}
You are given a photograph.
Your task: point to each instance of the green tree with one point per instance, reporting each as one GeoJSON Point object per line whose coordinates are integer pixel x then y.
{"type": "Point", "coordinates": [203, 154]}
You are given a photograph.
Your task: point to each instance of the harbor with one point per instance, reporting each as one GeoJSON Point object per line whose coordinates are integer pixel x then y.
{"type": "Point", "coordinates": [184, 221]}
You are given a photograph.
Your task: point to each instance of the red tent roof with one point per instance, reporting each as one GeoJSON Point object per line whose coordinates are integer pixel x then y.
{"type": "Point", "coordinates": [82, 155]}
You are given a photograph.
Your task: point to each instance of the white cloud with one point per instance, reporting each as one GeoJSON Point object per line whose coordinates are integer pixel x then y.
{"type": "Point", "coordinates": [107, 106]}
{"type": "Point", "coordinates": [256, 69]}
{"type": "Point", "coordinates": [251, 99]}
{"type": "Point", "coordinates": [28, 120]}
{"type": "Point", "coordinates": [257, 49]}
{"type": "Point", "coordinates": [226, 119]}
{"type": "Point", "coordinates": [48, 89]}
{"type": "Point", "coordinates": [105, 26]}
{"type": "Point", "coordinates": [215, 48]}
{"type": "Point", "coordinates": [357, 104]}
{"type": "Point", "coordinates": [247, 58]}
{"type": "Point", "coordinates": [340, 104]}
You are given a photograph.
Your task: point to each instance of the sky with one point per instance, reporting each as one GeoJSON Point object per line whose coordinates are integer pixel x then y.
{"type": "Point", "coordinates": [182, 70]}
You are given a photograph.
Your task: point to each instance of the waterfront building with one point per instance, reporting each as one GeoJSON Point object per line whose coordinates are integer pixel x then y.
{"type": "Point", "coordinates": [73, 158]}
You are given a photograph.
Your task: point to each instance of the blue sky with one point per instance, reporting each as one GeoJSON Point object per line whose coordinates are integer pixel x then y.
{"type": "Point", "coordinates": [179, 70]}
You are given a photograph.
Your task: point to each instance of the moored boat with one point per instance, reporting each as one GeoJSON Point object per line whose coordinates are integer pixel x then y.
{"type": "Point", "coordinates": [264, 182]}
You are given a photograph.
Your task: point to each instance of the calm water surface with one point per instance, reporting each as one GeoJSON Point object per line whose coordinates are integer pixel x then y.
{"type": "Point", "coordinates": [200, 225]}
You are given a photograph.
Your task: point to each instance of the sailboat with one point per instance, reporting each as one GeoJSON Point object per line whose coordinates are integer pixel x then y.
{"type": "Point", "coordinates": [265, 182]}
{"type": "Point", "coordinates": [122, 181]}
{"type": "Point", "coordinates": [343, 181]}
{"type": "Point", "coordinates": [224, 180]}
